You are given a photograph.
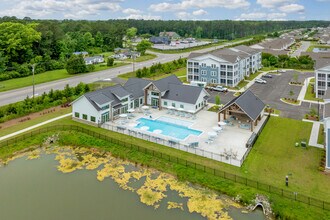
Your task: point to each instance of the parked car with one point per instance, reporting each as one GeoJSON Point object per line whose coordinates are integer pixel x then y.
{"type": "Point", "coordinates": [262, 81]}
{"type": "Point", "coordinates": [281, 71]}
{"type": "Point", "coordinates": [219, 89]}
{"type": "Point", "coordinates": [267, 76]}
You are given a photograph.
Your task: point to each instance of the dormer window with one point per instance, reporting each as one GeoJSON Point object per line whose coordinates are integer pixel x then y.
{"type": "Point", "coordinates": [105, 107]}
{"type": "Point", "coordinates": [124, 100]}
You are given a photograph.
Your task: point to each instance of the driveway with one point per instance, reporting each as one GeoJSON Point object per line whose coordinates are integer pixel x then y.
{"type": "Point", "coordinates": [224, 96]}
{"type": "Point", "coordinates": [303, 48]}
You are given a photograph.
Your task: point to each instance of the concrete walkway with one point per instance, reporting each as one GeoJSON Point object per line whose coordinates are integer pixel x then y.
{"type": "Point", "coordinates": [34, 126]}
{"type": "Point", "coordinates": [314, 135]}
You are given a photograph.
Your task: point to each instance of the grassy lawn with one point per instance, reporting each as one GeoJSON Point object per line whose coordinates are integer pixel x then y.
{"type": "Point", "coordinates": [320, 137]}
{"type": "Point", "coordinates": [35, 121]}
{"type": "Point", "coordinates": [100, 85]}
{"type": "Point", "coordinates": [242, 84]}
{"type": "Point", "coordinates": [254, 75]}
{"type": "Point", "coordinates": [274, 156]}
{"type": "Point", "coordinates": [310, 95]}
{"type": "Point", "coordinates": [46, 77]}
{"type": "Point", "coordinates": [143, 58]}
{"type": "Point", "coordinates": [179, 73]}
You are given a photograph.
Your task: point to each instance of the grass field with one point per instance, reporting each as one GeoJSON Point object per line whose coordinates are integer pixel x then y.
{"type": "Point", "coordinates": [253, 76]}
{"type": "Point", "coordinates": [310, 95]}
{"type": "Point", "coordinates": [242, 84]}
{"type": "Point", "coordinates": [143, 58]}
{"type": "Point", "coordinates": [320, 137]}
{"type": "Point", "coordinates": [26, 124]}
{"type": "Point", "coordinates": [179, 73]}
{"type": "Point", "coordinates": [46, 77]}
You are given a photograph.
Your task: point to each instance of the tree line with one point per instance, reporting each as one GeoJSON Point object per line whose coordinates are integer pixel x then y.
{"type": "Point", "coordinates": [285, 61]}
{"type": "Point", "coordinates": [39, 103]}
{"type": "Point", "coordinates": [157, 69]}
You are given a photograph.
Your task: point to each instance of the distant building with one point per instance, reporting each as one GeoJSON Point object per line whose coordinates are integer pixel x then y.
{"type": "Point", "coordinates": [171, 35]}
{"type": "Point", "coordinates": [94, 60]}
{"type": "Point", "coordinates": [160, 40]}
{"type": "Point", "coordinates": [83, 53]}
{"type": "Point", "coordinates": [225, 66]}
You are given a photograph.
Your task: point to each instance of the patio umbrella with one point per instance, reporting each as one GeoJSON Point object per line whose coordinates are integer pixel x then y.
{"type": "Point", "coordinates": [130, 110]}
{"type": "Point", "coordinates": [222, 123]}
{"type": "Point", "coordinates": [145, 107]}
{"type": "Point", "coordinates": [157, 131]}
{"type": "Point", "coordinates": [216, 128]}
{"type": "Point", "coordinates": [212, 134]}
{"type": "Point", "coordinates": [144, 128]}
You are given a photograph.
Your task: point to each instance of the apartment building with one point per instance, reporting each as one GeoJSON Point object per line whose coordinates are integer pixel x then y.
{"type": "Point", "coordinates": [225, 66]}
{"type": "Point", "coordinates": [322, 77]}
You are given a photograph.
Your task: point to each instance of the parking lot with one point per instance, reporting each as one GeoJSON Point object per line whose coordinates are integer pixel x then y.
{"type": "Point", "coordinates": [276, 88]}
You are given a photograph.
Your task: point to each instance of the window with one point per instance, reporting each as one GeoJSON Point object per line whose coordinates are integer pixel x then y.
{"type": "Point", "coordinates": [213, 73]}
{"type": "Point", "coordinates": [223, 66]}
{"type": "Point", "coordinates": [223, 81]}
{"type": "Point", "coordinates": [141, 101]}
{"type": "Point", "coordinates": [181, 106]}
{"type": "Point", "coordinates": [132, 105]}
{"type": "Point", "coordinates": [173, 104]}
{"type": "Point", "coordinates": [199, 105]}
{"type": "Point", "coordinates": [165, 103]}
{"type": "Point", "coordinates": [203, 64]}
{"type": "Point", "coordinates": [203, 79]}
{"type": "Point", "coordinates": [105, 107]}
{"type": "Point", "coordinates": [196, 106]}
{"type": "Point", "coordinates": [93, 119]}
{"type": "Point", "coordinates": [76, 114]}
{"type": "Point", "coordinates": [155, 93]}
{"type": "Point", "coordinates": [84, 117]}
{"type": "Point", "coordinates": [213, 81]}
{"type": "Point", "coordinates": [124, 100]}
{"type": "Point", "coordinates": [203, 72]}
{"type": "Point", "coordinates": [213, 66]}
{"type": "Point", "coordinates": [320, 92]}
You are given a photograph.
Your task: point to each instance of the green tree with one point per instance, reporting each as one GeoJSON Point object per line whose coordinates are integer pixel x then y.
{"type": "Point", "coordinates": [110, 61]}
{"type": "Point", "coordinates": [143, 46]}
{"type": "Point", "coordinates": [199, 32]}
{"type": "Point", "coordinates": [131, 32]}
{"type": "Point", "coordinates": [16, 40]}
{"type": "Point", "coordinates": [88, 39]}
{"type": "Point", "coordinates": [76, 64]}
{"type": "Point", "coordinates": [99, 39]}
{"type": "Point", "coordinates": [217, 100]}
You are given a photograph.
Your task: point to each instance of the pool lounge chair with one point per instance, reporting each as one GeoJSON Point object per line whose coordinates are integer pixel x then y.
{"type": "Point", "coordinates": [193, 144]}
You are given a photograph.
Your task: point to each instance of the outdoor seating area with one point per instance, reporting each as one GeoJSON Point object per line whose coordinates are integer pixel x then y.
{"type": "Point", "coordinates": [223, 141]}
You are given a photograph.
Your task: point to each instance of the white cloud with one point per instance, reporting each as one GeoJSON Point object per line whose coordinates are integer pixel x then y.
{"type": "Point", "coordinates": [199, 12]}
{"type": "Point", "coordinates": [262, 16]}
{"type": "Point", "coordinates": [274, 3]}
{"type": "Point", "coordinates": [67, 9]}
{"type": "Point", "coordinates": [144, 17]}
{"type": "Point", "coordinates": [292, 8]}
{"type": "Point", "coordinates": [187, 4]}
{"type": "Point", "coordinates": [131, 11]}
{"type": "Point", "coordinates": [182, 15]}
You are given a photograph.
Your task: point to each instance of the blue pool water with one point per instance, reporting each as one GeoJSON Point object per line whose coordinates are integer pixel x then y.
{"type": "Point", "coordinates": [168, 129]}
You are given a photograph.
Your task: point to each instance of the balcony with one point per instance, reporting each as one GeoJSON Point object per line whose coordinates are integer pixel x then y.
{"type": "Point", "coordinates": [321, 87]}
{"type": "Point", "coordinates": [321, 79]}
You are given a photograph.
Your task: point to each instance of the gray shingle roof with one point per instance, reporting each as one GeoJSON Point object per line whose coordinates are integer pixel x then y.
{"type": "Point", "coordinates": [183, 93]}
{"type": "Point", "coordinates": [120, 92]}
{"type": "Point", "coordinates": [322, 62]}
{"type": "Point", "coordinates": [163, 84]}
{"type": "Point", "coordinates": [249, 103]}
{"type": "Point", "coordinates": [135, 86]}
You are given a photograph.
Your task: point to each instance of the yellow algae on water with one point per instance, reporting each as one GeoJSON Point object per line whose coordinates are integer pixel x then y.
{"type": "Point", "coordinates": [68, 165]}
{"type": "Point", "coordinates": [92, 162]}
{"type": "Point", "coordinates": [150, 197]}
{"type": "Point", "coordinates": [34, 154]}
{"type": "Point", "coordinates": [174, 205]}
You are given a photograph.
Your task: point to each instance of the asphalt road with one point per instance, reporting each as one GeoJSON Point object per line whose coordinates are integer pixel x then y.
{"type": "Point", "coordinates": [303, 48]}
{"type": "Point", "coordinates": [16, 95]}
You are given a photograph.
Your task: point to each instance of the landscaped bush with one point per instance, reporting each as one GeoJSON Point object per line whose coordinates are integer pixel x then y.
{"type": "Point", "coordinates": [285, 61]}
{"type": "Point", "coordinates": [46, 100]}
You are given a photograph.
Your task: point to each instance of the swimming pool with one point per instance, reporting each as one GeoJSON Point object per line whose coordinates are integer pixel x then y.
{"type": "Point", "coordinates": [168, 128]}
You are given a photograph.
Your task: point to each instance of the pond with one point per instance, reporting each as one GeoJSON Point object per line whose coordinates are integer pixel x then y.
{"type": "Point", "coordinates": [77, 183]}
{"type": "Point", "coordinates": [320, 50]}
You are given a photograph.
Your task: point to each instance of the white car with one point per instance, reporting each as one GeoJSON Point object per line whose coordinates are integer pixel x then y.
{"type": "Point", "coordinates": [262, 81]}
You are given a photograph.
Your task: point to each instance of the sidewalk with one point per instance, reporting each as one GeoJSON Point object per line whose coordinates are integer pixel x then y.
{"type": "Point", "coordinates": [34, 126]}
{"type": "Point", "coordinates": [314, 135]}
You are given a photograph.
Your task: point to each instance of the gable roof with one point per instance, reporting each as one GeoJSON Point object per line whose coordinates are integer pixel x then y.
{"type": "Point", "coordinates": [135, 86]}
{"type": "Point", "coordinates": [163, 84]}
{"type": "Point", "coordinates": [249, 103]}
{"type": "Point", "coordinates": [184, 93]}
{"type": "Point", "coordinates": [321, 63]}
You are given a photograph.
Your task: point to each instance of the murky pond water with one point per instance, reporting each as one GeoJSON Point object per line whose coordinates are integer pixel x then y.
{"type": "Point", "coordinates": [68, 183]}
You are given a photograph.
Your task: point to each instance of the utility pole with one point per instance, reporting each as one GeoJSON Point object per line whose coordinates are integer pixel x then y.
{"type": "Point", "coordinates": [33, 68]}
{"type": "Point", "coordinates": [133, 63]}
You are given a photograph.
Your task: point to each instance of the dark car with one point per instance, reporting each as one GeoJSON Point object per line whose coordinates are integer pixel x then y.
{"type": "Point", "coordinates": [267, 76]}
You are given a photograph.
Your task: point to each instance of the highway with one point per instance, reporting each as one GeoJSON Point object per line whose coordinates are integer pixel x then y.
{"type": "Point", "coordinates": [16, 95]}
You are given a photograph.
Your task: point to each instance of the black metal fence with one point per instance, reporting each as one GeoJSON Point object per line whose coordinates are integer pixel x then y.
{"type": "Point", "coordinates": [216, 172]}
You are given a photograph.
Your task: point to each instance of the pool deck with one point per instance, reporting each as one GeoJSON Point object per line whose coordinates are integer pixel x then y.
{"type": "Point", "coordinates": [229, 145]}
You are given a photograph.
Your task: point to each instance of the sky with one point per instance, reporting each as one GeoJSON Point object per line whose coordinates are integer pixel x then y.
{"type": "Point", "coordinates": [168, 9]}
